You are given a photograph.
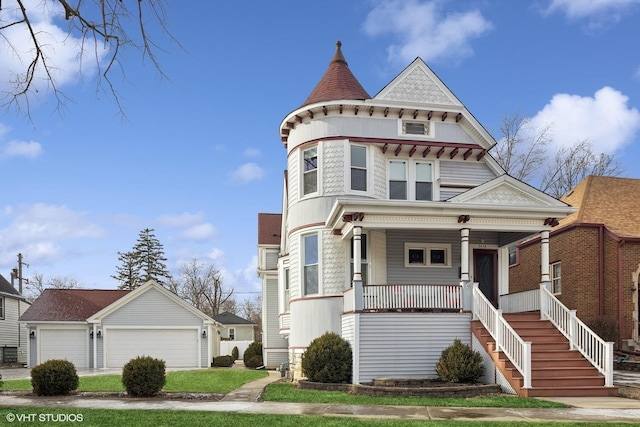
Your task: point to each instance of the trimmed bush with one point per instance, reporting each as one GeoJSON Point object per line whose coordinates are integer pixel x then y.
{"type": "Point", "coordinates": [235, 353]}
{"type": "Point", "coordinates": [223, 361]}
{"type": "Point", "coordinates": [459, 363]}
{"type": "Point", "coordinates": [54, 377]}
{"type": "Point", "coordinates": [144, 376]}
{"type": "Point", "coordinates": [328, 359]}
{"type": "Point", "coordinates": [253, 355]}
{"type": "Point", "coordinates": [605, 327]}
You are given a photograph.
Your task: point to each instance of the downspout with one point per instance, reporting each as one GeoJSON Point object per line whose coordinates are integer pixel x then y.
{"type": "Point", "coordinates": [620, 244]}
{"type": "Point", "coordinates": [601, 270]}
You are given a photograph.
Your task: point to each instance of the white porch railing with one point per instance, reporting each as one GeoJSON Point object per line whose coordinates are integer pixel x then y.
{"type": "Point", "coordinates": [507, 340]}
{"type": "Point", "coordinates": [404, 297]}
{"type": "Point", "coordinates": [581, 338]}
{"type": "Point", "coordinates": [520, 302]}
{"type": "Point", "coordinates": [419, 297]}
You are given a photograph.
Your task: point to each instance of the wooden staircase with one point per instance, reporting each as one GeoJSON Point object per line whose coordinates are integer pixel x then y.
{"type": "Point", "coordinates": [555, 369]}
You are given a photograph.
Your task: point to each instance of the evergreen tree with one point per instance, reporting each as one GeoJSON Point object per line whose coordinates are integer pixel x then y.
{"type": "Point", "coordinates": [128, 273]}
{"type": "Point", "coordinates": [150, 257]}
{"type": "Point", "coordinates": [146, 261]}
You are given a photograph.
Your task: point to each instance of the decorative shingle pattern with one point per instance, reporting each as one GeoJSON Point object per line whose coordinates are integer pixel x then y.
{"type": "Point", "coordinates": [418, 87]}
{"type": "Point", "coordinates": [333, 163]}
{"type": "Point", "coordinates": [337, 82]}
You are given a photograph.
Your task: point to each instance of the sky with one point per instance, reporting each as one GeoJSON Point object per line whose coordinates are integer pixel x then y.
{"type": "Point", "coordinates": [194, 152]}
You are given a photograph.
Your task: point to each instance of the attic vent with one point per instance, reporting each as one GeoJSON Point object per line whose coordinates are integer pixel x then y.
{"type": "Point", "coordinates": [415, 128]}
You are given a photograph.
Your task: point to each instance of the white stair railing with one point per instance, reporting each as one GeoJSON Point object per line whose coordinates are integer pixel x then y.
{"type": "Point", "coordinates": [580, 336]}
{"type": "Point", "coordinates": [507, 340]}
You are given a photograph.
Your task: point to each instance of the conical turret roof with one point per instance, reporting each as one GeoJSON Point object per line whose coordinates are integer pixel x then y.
{"type": "Point", "coordinates": [337, 83]}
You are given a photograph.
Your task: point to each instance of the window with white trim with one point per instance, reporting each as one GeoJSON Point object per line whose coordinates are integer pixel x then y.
{"type": "Point", "coordinates": [287, 291]}
{"type": "Point", "coordinates": [398, 180]}
{"type": "Point", "coordinates": [513, 255]}
{"type": "Point", "coordinates": [416, 128]}
{"type": "Point", "coordinates": [358, 168]}
{"type": "Point", "coordinates": [1, 307]}
{"type": "Point", "coordinates": [232, 334]}
{"type": "Point", "coordinates": [310, 267]}
{"type": "Point", "coordinates": [556, 277]}
{"type": "Point", "coordinates": [427, 255]}
{"type": "Point", "coordinates": [310, 171]}
{"type": "Point", "coordinates": [424, 181]}
{"type": "Point", "coordinates": [411, 180]}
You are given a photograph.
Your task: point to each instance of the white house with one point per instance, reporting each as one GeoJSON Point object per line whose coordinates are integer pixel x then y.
{"type": "Point", "coordinates": [100, 328]}
{"type": "Point", "coordinates": [393, 208]}
{"type": "Point", "coordinates": [13, 335]}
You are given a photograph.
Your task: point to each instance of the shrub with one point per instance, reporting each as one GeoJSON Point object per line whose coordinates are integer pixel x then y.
{"type": "Point", "coordinates": [605, 327]}
{"type": "Point", "coordinates": [54, 377]}
{"type": "Point", "coordinates": [328, 359]}
{"type": "Point", "coordinates": [459, 363]}
{"type": "Point", "coordinates": [223, 361]}
{"type": "Point", "coordinates": [253, 355]}
{"type": "Point", "coordinates": [253, 362]}
{"type": "Point", "coordinates": [235, 353]}
{"type": "Point", "coordinates": [144, 376]}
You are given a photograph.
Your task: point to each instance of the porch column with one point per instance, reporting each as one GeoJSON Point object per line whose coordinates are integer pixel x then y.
{"type": "Point", "coordinates": [357, 268]}
{"type": "Point", "coordinates": [544, 257]}
{"type": "Point", "coordinates": [464, 255]}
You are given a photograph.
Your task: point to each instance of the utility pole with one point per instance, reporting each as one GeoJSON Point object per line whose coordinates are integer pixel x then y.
{"type": "Point", "coordinates": [16, 273]}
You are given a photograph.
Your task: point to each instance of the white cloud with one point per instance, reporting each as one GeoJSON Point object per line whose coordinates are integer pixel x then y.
{"type": "Point", "coordinates": [424, 30]}
{"type": "Point", "coordinates": [247, 172]}
{"type": "Point", "coordinates": [605, 120]}
{"type": "Point", "coordinates": [577, 9]}
{"type": "Point", "coordinates": [252, 152]}
{"type": "Point", "coordinates": [198, 232]}
{"type": "Point", "coordinates": [29, 149]}
{"type": "Point", "coordinates": [66, 55]}
{"type": "Point", "coordinates": [185, 219]}
{"type": "Point", "coordinates": [40, 229]}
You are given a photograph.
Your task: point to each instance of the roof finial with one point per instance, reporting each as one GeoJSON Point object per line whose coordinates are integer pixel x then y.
{"type": "Point", "coordinates": [338, 56]}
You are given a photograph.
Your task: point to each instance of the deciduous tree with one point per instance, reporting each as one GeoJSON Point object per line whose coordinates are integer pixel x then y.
{"type": "Point", "coordinates": [101, 33]}
{"type": "Point", "coordinates": [37, 284]}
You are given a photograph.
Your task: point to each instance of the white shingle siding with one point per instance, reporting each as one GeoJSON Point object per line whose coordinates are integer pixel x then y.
{"type": "Point", "coordinates": [334, 264]}
{"type": "Point", "coordinates": [407, 345]}
{"type": "Point", "coordinates": [333, 167]}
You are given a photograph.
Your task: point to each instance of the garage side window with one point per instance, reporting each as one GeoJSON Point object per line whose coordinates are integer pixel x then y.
{"type": "Point", "coordinates": [232, 334]}
{"type": "Point", "coordinates": [310, 248]}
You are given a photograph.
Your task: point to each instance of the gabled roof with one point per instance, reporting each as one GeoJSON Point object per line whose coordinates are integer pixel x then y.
{"type": "Point", "coordinates": [227, 318]}
{"type": "Point", "coordinates": [70, 304]}
{"type": "Point", "coordinates": [7, 289]}
{"type": "Point", "coordinates": [269, 226]}
{"type": "Point", "coordinates": [614, 202]}
{"type": "Point", "coordinates": [337, 82]}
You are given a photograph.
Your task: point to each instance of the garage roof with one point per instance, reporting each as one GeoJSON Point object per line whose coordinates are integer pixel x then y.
{"type": "Point", "coordinates": [70, 304]}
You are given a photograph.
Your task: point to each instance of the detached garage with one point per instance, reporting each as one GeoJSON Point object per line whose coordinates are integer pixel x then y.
{"type": "Point", "coordinates": [97, 328]}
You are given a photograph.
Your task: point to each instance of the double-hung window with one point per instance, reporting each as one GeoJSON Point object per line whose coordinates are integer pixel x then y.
{"type": "Point", "coordinates": [556, 278]}
{"type": "Point", "coordinates": [310, 268]}
{"type": "Point", "coordinates": [358, 168]}
{"type": "Point", "coordinates": [398, 180]}
{"type": "Point", "coordinates": [232, 334]}
{"type": "Point", "coordinates": [424, 181]}
{"type": "Point", "coordinates": [310, 171]}
{"type": "Point", "coordinates": [1, 307]}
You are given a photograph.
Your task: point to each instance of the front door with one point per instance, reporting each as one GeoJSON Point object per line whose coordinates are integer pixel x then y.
{"type": "Point", "coordinates": [485, 272]}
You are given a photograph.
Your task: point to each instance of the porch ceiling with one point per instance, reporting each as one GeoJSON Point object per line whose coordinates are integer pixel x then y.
{"type": "Point", "coordinates": [394, 214]}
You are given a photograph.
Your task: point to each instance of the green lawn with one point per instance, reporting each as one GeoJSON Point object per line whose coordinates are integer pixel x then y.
{"type": "Point", "coordinates": [200, 381]}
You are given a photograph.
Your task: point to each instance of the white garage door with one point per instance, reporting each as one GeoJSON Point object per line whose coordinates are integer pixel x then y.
{"type": "Point", "coordinates": [177, 347]}
{"type": "Point", "coordinates": [68, 344]}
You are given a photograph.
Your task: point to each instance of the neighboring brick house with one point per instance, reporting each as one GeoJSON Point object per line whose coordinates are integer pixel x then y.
{"type": "Point", "coordinates": [594, 254]}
